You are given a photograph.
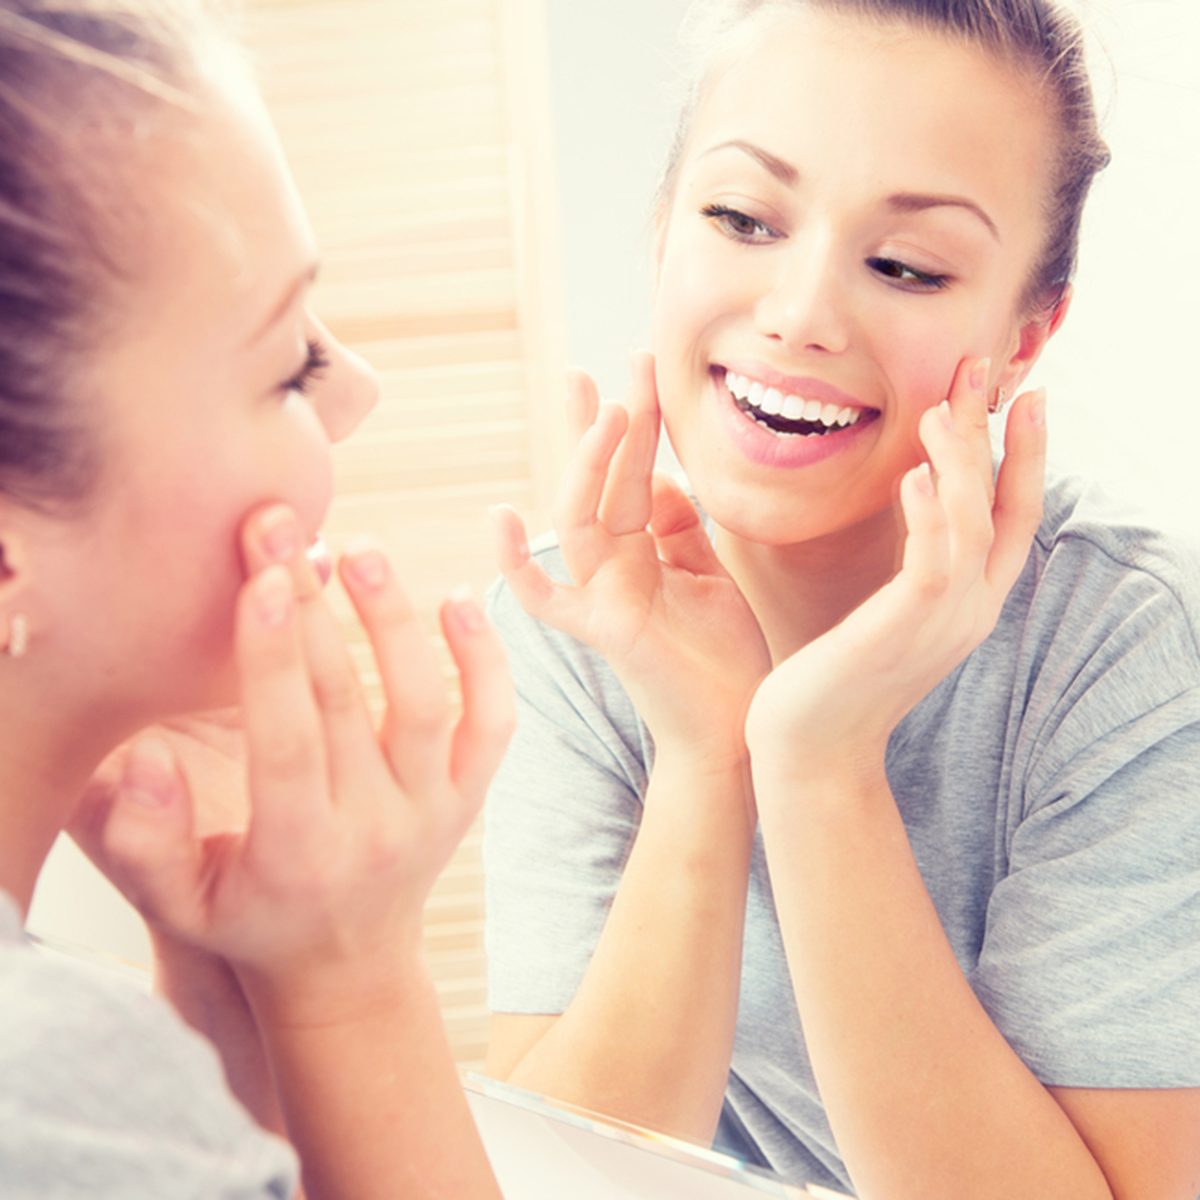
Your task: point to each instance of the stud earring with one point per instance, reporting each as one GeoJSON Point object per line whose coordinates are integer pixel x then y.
{"type": "Point", "coordinates": [997, 405]}
{"type": "Point", "coordinates": [18, 636]}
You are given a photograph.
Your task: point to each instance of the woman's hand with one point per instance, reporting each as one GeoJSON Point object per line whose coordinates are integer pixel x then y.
{"type": "Point", "coordinates": [317, 903]}
{"type": "Point", "coordinates": [836, 701]}
{"type": "Point", "coordinates": [649, 593]}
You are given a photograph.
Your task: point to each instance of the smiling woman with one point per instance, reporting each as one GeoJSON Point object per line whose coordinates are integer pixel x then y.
{"type": "Point", "coordinates": [848, 817]}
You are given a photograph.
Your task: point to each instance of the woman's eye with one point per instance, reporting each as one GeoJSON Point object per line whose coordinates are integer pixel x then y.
{"type": "Point", "coordinates": [895, 271]}
{"type": "Point", "coordinates": [316, 362]}
{"type": "Point", "coordinates": [738, 225]}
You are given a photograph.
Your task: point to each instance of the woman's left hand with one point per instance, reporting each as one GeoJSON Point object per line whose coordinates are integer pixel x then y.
{"type": "Point", "coordinates": [838, 699]}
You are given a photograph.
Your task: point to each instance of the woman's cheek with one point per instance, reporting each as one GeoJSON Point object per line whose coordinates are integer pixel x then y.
{"type": "Point", "coordinates": [306, 481]}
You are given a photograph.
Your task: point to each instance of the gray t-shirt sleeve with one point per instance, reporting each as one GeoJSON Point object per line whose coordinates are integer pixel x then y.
{"type": "Point", "coordinates": [106, 1094]}
{"type": "Point", "coordinates": [561, 815]}
{"type": "Point", "coordinates": [1090, 963]}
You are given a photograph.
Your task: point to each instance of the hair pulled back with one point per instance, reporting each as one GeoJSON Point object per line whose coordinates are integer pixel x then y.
{"type": "Point", "coordinates": [81, 83]}
{"type": "Point", "coordinates": [1038, 37]}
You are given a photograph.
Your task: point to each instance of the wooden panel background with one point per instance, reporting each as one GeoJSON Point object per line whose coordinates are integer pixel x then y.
{"type": "Point", "coordinates": [418, 132]}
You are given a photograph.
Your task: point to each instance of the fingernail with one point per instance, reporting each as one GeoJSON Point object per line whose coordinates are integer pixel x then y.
{"type": "Point", "coordinates": [466, 610]}
{"type": "Point", "coordinates": [1037, 408]}
{"type": "Point", "coordinates": [979, 374]}
{"type": "Point", "coordinates": [148, 777]}
{"type": "Point", "coordinates": [368, 565]}
{"type": "Point", "coordinates": [946, 415]}
{"type": "Point", "coordinates": [280, 535]}
{"type": "Point", "coordinates": [924, 480]}
{"type": "Point", "coordinates": [273, 596]}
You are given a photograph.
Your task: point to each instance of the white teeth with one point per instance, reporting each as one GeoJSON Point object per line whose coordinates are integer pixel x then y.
{"type": "Point", "coordinates": [771, 402]}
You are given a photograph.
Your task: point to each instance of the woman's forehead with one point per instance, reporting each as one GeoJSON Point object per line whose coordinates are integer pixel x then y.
{"type": "Point", "coordinates": [908, 108]}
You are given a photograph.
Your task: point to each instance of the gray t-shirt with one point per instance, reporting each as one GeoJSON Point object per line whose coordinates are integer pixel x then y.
{"type": "Point", "coordinates": [1050, 787]}
{"type": "Point", "coordinates": [106, 1094]}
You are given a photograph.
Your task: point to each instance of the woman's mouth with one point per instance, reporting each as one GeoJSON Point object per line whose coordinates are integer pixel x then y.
{"type": "Point", "coordinates": [786, 422]}
{"type": "Point", "coordinates": [787, 414]}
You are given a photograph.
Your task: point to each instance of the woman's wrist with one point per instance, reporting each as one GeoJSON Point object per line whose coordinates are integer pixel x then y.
{"type": "Point", "coordinates": [338, 991]}
{"type": "Point", "coordinates": [802, 781]}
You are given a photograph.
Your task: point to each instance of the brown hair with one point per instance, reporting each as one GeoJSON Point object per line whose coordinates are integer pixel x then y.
{"type": "Point", "coordinates": [1038, 36]}
{"type": "Point", "coordinates": [81, 85]}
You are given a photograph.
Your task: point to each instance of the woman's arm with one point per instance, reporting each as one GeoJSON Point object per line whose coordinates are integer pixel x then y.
{"type": "Point", "coordinates": [210, 751]}
{"type": "Point", "coordinates": [648, 1035]}
{"type": "Point", "coordinates": [318, 904]}
{"type": "Point", "coordinates": [923, 1093]}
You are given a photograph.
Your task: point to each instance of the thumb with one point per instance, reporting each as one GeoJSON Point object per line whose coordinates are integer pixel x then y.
{"type": "Point", "coordinates": [143, 837]}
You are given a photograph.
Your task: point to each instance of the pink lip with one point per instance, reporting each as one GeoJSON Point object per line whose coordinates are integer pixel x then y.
{"type": "Point", "coordinates": [761, 446]}
{"type": "Point", "coordinates": [796, 385]}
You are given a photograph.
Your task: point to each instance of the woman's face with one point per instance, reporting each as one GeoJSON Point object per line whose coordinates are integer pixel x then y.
{"type": "Point", "coordinates": [857, 209]}
{"type": "Point", "coordinates": [216, 392]}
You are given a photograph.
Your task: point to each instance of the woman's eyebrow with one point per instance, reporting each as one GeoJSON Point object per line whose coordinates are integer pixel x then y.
{"type": "Point", "coordinates": [783, 171]}
{"type": "Point", "coordinates": [901, 202]}
{"type": "Point", "coordinates": [912, 202]}
{"type": "Point", "coordinates": [303, 281]}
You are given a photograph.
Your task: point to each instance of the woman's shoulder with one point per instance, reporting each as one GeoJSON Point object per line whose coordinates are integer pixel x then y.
{"type": "Point", "coordinates": [1113, 559]}
{"type": "Point", "coordinates": [103, 1081]}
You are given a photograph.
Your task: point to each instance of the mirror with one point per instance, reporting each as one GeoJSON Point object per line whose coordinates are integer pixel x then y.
{"type": "Point", "coordinates": [1118, 359]}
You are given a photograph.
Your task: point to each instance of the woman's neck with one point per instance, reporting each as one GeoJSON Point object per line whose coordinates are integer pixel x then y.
{"type": "Point", "coordinates": [46, 760]}
{"type": "Point", "coordinates": [798, 592]}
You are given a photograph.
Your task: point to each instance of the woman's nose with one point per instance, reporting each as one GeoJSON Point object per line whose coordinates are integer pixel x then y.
{"type": "Point", "coordinates": [805, 308]}
{"type": "Point", "coordinates": [348, 390]}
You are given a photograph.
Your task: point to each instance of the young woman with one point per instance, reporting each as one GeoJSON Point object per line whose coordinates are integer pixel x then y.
{"type": "Point", "coordinates": [854, 819]}
{"type": "Point", "coordinates": [166, 412]}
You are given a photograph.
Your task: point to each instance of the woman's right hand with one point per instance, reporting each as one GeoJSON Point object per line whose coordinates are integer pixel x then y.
{"type": "Point", "coordinates": [318, 903]}
{"type": "Point", "coordinates": [648, 591]}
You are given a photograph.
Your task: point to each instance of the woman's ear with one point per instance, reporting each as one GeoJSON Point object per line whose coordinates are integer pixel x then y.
{"type": "Point", "coordinates": [1031, 339]}
{"type": "Point", "coordinates": [14, 582]}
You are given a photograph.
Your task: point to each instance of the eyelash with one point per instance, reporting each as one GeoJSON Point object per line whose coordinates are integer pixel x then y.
{"type": "Point", "coordinates": [315, 364]}
{"type": "Point", "coordinates": [726, 219]}
{"type": "Point", "coordinates": [894, 269]}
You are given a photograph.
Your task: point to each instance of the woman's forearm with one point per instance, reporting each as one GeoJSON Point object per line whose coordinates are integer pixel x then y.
{"type": "Point", "coordinates": [924, 1095]}
{"type": "Point", "coordinates": [205, 991]}
{"type": "Point", "coordinates": [648, 1037]}
{"type": "Point", "coordinates": [372, 1098]}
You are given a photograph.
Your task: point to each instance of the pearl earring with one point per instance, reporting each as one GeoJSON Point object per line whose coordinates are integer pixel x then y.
{"type": "Point", "coordinates": [18, 636]}
{"type": "Point", "coordinates": [997, 405]}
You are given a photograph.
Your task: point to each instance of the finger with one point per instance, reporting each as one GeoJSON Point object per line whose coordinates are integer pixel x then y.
{"type": "Point", "coordinates": [1019, 490]}
{"type": "Point", "coordinates": [963, 491]}
{"type": "Point", "coordinates": [540, 596]}
{"type": "Point", "coordinates": [627, 504]}
{"type": "Point", "coordinates": [678, 531]}
{"type": "Point", "coordinates": [969, 406]}
{"type": "Point", "coordinates": [286, 757]}
{"type": "Point", "coordinates": [576, 510]}
{"type": "Point", "coordinates": [274, 535]}
{"type": "Point", "coordinates": [925, 567]}
{"type": "Point", "coordinates": [143, 839]}
{"type": "Point", "coordinates": [583, 403]}
{"type": "Point", "coordinates": [416, 728]}
{"type": "Point", "coordinates": [489, 706]}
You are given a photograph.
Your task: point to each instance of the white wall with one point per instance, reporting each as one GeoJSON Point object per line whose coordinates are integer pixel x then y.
{"type": "Point", "coordinates": [1124, 402]}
